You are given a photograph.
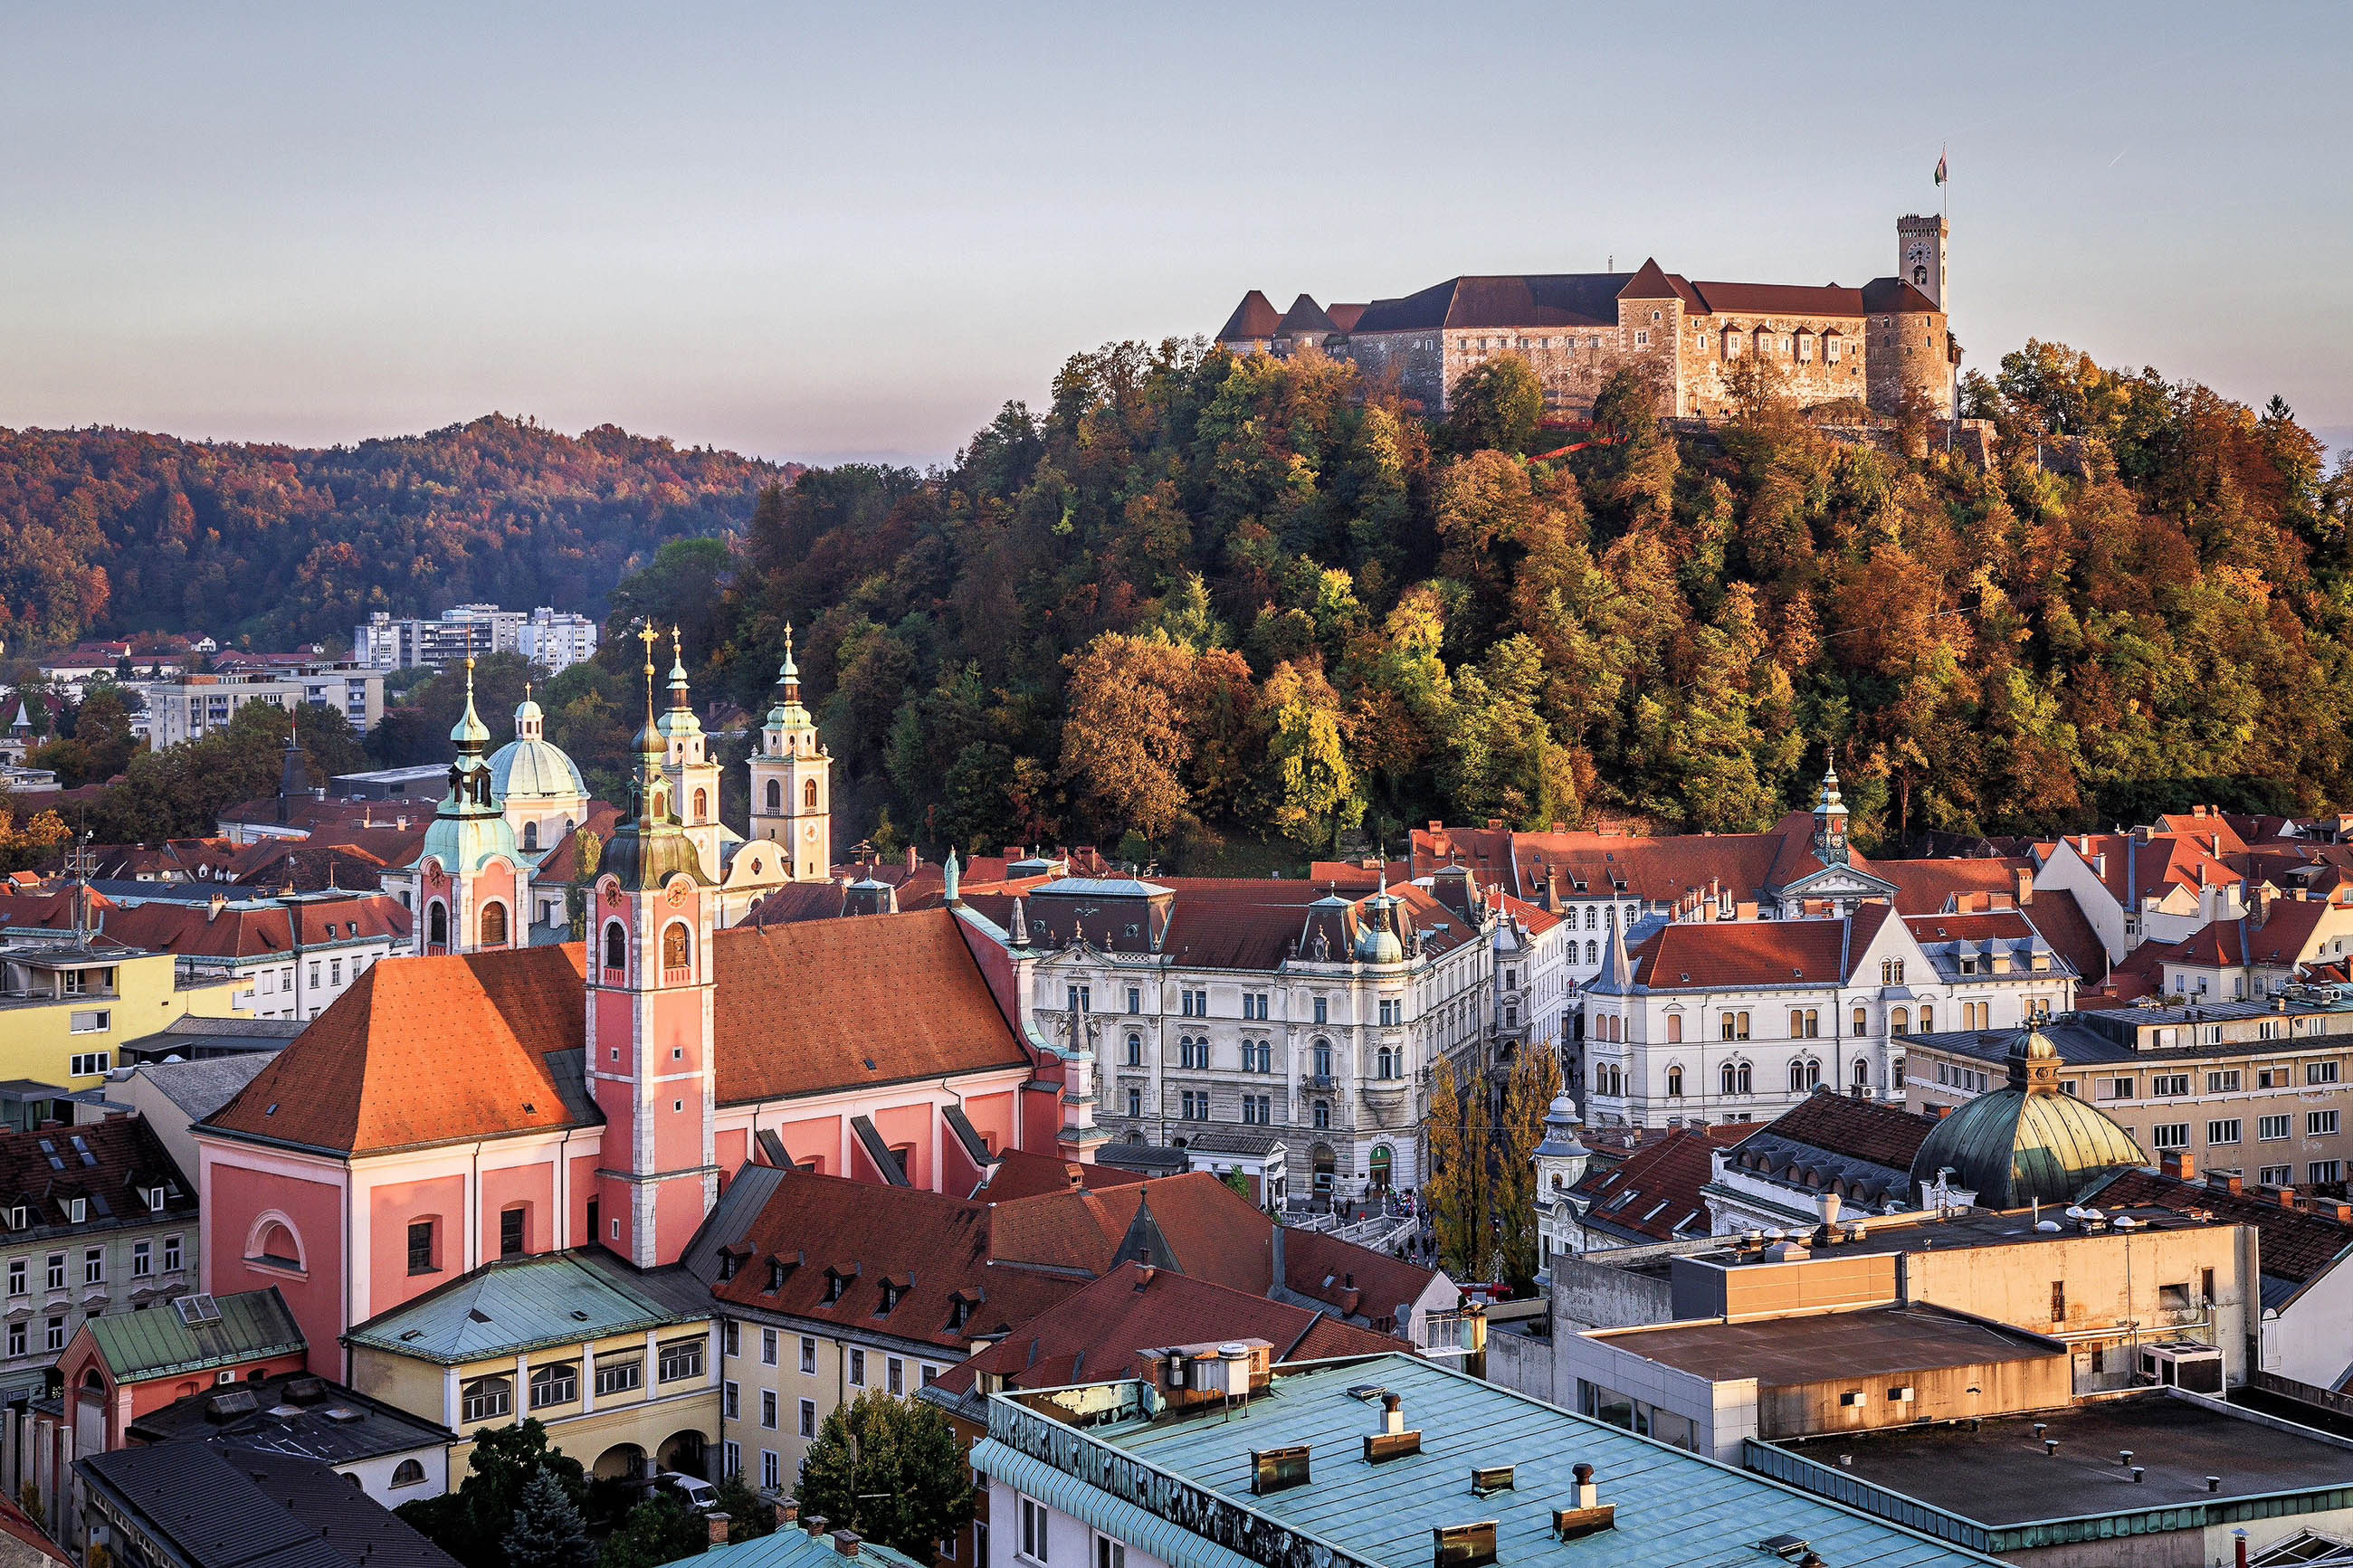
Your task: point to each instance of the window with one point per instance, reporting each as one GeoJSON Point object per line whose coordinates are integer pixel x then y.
{"type": "Point", "coordinates": [776, 797]}
{"type": "Point", "coordinates": [768, 1348]}
{"type": "Point", "coordinates": [768, 1408]}
{"type": "Point", "coordinates": [1323, 1056]}
{"type": "Point", "coordinates": [1675, 1083]}
{"type": "Point", "coordinates": [731, 1396]}
{"type": "Point", "coordinates": [808, 1354]}
{"type": "Point", "coordinates": [554, 1385]}
{"type": "Point", "coordinates": [2222, 1082]}
{"type": "Point", "coordinates": [621, 1377]}
{"type": "Point", "coordinates": [55, 1339]}
{"type": "Point", "coordinates": [2324, 1171]}
{"type": "Point", "coordinates": [85, 1063]}
{"type": "Point", "coordinates": [16, 1338]}
{"type": "Point", "coordinates": [1392, 1012]}
{"type": "Point", "coordinates": [494, 930]}
{"type": "Point", "coordinates": [1891, 972]}
{"type": "Point", "coordinates": [1135, 1051]}
{"type": "Point", "coordinates": [1323, 1113]}
{"type": "Point", "coordinates": [15, 1277]}
{"type": "Point", "coordinates": [729, 1338]}
{"type": "Point", "coordinates": [57, 1272]}
{"type": "Point", "coordinates": [1735, 1025]}
{"type": "Point", "coordinates": [894, 1376]}
{"type": "Point", "coordinates": [2120, 1088]}
{"type": "Point", "coordinates": [617, 945]}
{"type": "Point", "coordinates": [1034, 1542]}
{"type": "Point", "coordinates": [2271, 1129]}
{"type": "Point", "coordinates": [420, 1247]}
{"type": "Point", "coordinates": [1322, 1010]}
{"type": "Point", "coordinates": [1861, 1022]}
{"type": "Point", "coordinates": [2321, 1073]}
{"type": "Point", "coordinates": [2222, 1132]}
{"type": "Point", "coordinates": [808, 795]}
{"type": "Point", "coordinates": [171, 1252]}
{"type": "Point", "coordinates": [771, 1469]}
{"type": "Point", "coordinates": [511, 1232]}
{"type": "Point", "coordinates": [678, 947]}
{"type": "Point", "coordinates": [486, 1399]}
{"type": "Point", "coordinates": [680, 1359]}
{"type": "Point", "coordinates": [2273, 1077]}
{"type": "Point", "coordinates": [2275, 1175]}
{"type": "Point", "coordinates": [93, 1265]}
{"type": "Point", "coordinates": [2058, 1301]}
{"type": "Point", "coordinates": [1110, 1553]}
{"type": "Point", "coordinates": [857, 1369]}
{"type": "Point", "coordinates": [436, 925]}
{"type": "Point", "coordinates": [2168, 1083]}
{"type": "Point", "coordinates": [1899, 1020]}
{"type": "Point", "coordinates": [2170, 1135]}
{"type": "Point", "coordinates": [808, 1418]}
{"type": "Point", "coordinates": [2320, 1124]}
{"type": "Point", "coordinates": [1135, 1103]}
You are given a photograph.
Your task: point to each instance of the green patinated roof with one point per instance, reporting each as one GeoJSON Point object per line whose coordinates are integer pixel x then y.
{"type": "Point", "coordinates": [512, 1307]}
{"type": "Point", "coordinates": [794, 1548]}
{"type": "Point", "coordinates": [156, 1343]}
{"type": "Point", "coordinates": [2016, 1146]}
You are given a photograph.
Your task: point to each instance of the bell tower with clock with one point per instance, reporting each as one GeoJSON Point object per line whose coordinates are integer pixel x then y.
{"type": "Point", "coordinates": [792, 781]}
{"type": "Point", "coordinates": [1920, 255]}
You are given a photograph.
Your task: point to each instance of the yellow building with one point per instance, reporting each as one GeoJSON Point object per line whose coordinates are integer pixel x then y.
{"type": "Point", "coordinates": [68, 999]}
{"type": "Point", "coordinates": [618, 1364]}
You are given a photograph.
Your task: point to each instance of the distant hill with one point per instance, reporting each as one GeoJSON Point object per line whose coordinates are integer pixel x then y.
{"type": "Point", "coordinates": [105, 530]}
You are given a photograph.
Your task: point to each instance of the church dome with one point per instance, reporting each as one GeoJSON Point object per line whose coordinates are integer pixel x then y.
{"type": "Point", "coordinates": [530, 767]}
{"type": "Point", "coordinates": [2028, 1142]}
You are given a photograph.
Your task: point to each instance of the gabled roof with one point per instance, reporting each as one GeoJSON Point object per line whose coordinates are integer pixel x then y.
{"type": "Point", "coordinates": [1253, 319]}
{"type": "Point", "coordinates": [515, 1305]}
{"type": "Point", "coordinates": [232, 1508]}
{"type": "Point", "coordinates": [2281, 941]}
{"type": "Point", "coordinates": [1838, 1124]}
{"type": "Point", "coordinates": [1353, 1280]}
{"type": "Point", "coordinates": [1095, 1333]}
{"type": "Point", "coordinates": [109, 1164]}
{"type": "Point", "coordinates": [1515, 299]}
{"type": "Point", "coordinates": [1025, 1173]}
{"type": "Point", "coordinates": [1718, 956]}
{"type": "Point", "coordinates": [1305, 316]}
{"type": "Point", "coordinates": [2299, 1245]}
{"type": "Point", "coordinates": [1653, 1194]}
{"type": "Point", "coordinates": [137, 1346]}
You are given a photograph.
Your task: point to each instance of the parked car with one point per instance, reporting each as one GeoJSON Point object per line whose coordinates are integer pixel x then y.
{"type": "Point", "coordinates": [693, 1490]}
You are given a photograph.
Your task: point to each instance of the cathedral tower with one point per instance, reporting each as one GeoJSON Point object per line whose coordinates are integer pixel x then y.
{"type": "Point", "coordinates": [792, 784]}
{"type": "Point", "coordinates": [467, 883]}
{"type": "Point", "coordinates": [649, 1018]}
{"type": "Point", "coordinates": [693, 777]}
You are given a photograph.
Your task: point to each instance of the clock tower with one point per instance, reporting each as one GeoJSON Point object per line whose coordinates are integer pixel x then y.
{"type": "Point", "coordinates": [1920, 255]}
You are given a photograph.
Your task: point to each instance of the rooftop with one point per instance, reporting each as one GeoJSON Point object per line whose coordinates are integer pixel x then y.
{"type": "Point", "coordinates": [292, 1414]}
{"type": "Point", "coordinates": [249, 1326]}
{"type": "Point", "coordinates": [795, 1548]}
{"type": "Point", "coordinates": [1671, 1507]}
{"type": "Point", "coordinates": [520, 1304]}
{"type": "Point", "coordinates": [1812, 1346]}
{"type": "Point", "coordinates": [1999, 1474]}
{"type": "Point", "coordinates": [219, 1508]}
{"type": "Point", "coordinates": [1968, 1228]}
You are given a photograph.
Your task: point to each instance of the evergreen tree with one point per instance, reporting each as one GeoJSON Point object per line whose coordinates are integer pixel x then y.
{"type": "Point", "coordinates": [547, 1530]}
{"type": "Point", "coordinates": [890, 1470]}
{"type": "Point", "coordinates": [660, 1530]}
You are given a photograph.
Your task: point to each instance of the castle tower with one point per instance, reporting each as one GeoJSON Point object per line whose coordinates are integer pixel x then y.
{"type": "Point", "coordinates": [693, 777]}
{"type": "Point", "coordinates": [1920, 255]}
{"type": "Point", "coordinates": [650, 1019]}
{"type": "Point", "coordinates": [792, 784]}
{"type": "Point", "coordinates": [1830, 823]}
{"type": "Point", "coordinates": [467, 883]}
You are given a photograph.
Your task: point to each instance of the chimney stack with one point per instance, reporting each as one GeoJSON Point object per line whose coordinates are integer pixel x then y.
{"type": "Point", "coordinates": [845, 1543]}
{"type": "Point", "coordinates": [1392, 1415]}
{"type": "Point", "coordinates": [2179, 1164]}
{"type": "Point", "coordinates": [718, 1523]}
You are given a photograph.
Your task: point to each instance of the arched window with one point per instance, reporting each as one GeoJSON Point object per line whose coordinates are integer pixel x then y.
{"type": "Point", "coordinates": [1382, 1065]}
{"type": "Point", "coordinates": [701, 804]}
{"type": "Point", "coordinates": [1797, 1076]}
{"type": "Point", "coordinates": [1899, 1020]}
{"type": "Point", "coordinates": [662, 803]}
{"type": "Point", "coordinates": [1731, 1079]}
{"type": "Point", "coordinates": [495, 925]}
{"type": "Point", "coordinates": [1592, 916]}
{"type": "Point", "coordinates": [1675, 1083]}
{"type": "Point", "coordinates": [531, 835]}
{"type": "Point", "coordinates": [776, 797]}
{"type": "Point", "coordinates": [407, 1473]}
{"type": "Point", "coordinates": [617, 945]}
{"type": "Point", "coordinates": [1135, 1051]}
{"type": "Point", "coordinates": [555, 1384]}
{"type": "Point", "coordinates": [1592, 953]}
{"type": "Point", "coordinates": [275, 1244]}
{"type": "Point", "coordinates": [808, 795]}
{"type": "Point", "coordinates": [1862, 1073]}
{"type": "Point", "coordinates": [486, 1399]}
{"type": "Point", "coordinates": [1323, 1059]}
{"type": "Point", "coordinates": [678, 947]}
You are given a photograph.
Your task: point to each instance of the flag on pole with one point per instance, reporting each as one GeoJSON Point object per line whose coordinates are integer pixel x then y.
{"type": "Point", "coordinates": [1940, 168]}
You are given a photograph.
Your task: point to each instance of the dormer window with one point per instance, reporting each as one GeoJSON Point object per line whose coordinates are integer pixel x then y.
{"type": "Point", "coordinates": [726, 1266]}
{"type": "Point", "coordinates": [777, 1275]}
{"type": "Point", "coordinates": [19, 1218]}
{"type": "Point", "coordinates": [836, 1284]}
{"type": "Point", "coordinates": [156, 1200]}
{"type": "Point", "coordinates": [77, 1210]}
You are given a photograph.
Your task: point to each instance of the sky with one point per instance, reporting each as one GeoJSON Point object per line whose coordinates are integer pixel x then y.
{"type": "Point", "coordinates": [834, 233]}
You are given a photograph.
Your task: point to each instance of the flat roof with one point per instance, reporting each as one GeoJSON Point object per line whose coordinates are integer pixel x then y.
{"type": "Point", "coordinates": [1821, 1347]}
{"type": "Point", "coordinates": [1999, 1474]}
{"type": "Point", "coordinates": [1968, 1229]}
{"type": "Point", "coordinates": [1672, 1506]}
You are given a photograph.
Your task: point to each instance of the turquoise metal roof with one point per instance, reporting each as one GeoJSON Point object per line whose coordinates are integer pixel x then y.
{"type": "Point", "coordinates": [156, 1343]}
{"type": "Point", "coordinates": [1672, 1507]}
{"type": "Point", "coordinates": [506, 1309]}
{"type": "Point", "coordinates": [794, 1548]}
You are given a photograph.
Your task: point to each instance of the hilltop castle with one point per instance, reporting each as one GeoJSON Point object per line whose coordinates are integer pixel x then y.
{"type": "Point", "coordinates": [1871, 344]}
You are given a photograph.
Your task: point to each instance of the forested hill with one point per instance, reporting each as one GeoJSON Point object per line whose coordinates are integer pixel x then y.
{"type": "Point", "coordinates": [115, 531]}
{"type": "Point", "coordinates": [1199, 597]}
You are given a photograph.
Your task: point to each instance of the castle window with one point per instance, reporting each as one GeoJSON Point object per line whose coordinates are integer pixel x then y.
{"type": "Point", "coordinates": [495, 925]}
{"type": "Point", "coordinates": [678, 947]}
{"type": "Point", "coordinates": [1641, 339]}
{"type": "Point", "coordinates": [775, 798]}
{"type": "Point", "coordinates": [617, 945]}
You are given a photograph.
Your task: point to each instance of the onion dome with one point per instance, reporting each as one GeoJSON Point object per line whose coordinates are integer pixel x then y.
{"type": "Point", "coordinates": [2028, 1142]}
{"type": "Point", "coordinates": [1376, 937]}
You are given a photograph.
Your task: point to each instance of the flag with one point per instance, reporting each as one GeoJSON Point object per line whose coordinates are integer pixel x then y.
{"type": "Point", "coordinates": [1940, 168]}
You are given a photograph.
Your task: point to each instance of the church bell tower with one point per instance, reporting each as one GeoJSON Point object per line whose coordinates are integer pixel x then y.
{"type": "Point", "coordinates": [792, 782]}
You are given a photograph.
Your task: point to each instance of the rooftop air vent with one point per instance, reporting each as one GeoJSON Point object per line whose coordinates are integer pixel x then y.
{"type": "Point", "coordinates": [1279, 1469]}
{"type": "Point", "coordinates": [1588, 1515]}
{"type": "Point", "coordinates": [1463, 1545]}
{"type": "Point", "coordinates": [1486, 1481]}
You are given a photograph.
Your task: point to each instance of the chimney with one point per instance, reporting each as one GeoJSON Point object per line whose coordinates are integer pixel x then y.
{"type": "Point", "coordinates": [2336, 1209]}
{"type": "Point", "coordinates": [845, 1543]}
{"type": "Point", "coordinates": [784, 1514]}
{"type": "Point", "coordinates": [1587, 1513]}
{"type": "Point", "coordinates": [2179, 1164]}
{"type": "Point", "coordinates": [2288, 1197]}
{"type": "Point", "coordinates": [718, 1523]}
{"type": "Point", "coordinates": [2025, 885]}
{"type": "Point", "coordinates": [1827, 1202]}
{"type": "Point", "coordinates": [1392, 1440]}
{"type": "Point", "coordinates": [2222, 1183]}
{"type": "Point", "coordinates": [1392, 1415]}
{"type": "Point", "coordinates": [911, 865]}
{"type": "Point", "coordinates": [814, 1524]}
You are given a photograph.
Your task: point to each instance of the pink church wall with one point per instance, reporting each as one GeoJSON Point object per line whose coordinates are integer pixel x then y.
{"type": "Point", "coordinates": [1041, 1120]}
{"type": "Point", "coordinates": [235, 1198]}
{"type": "Point", "coordinates": [910, 1125]}
{"type": "Point", "coordinates": [816, 1138]}
{"type": "Point", "coordinates": [583, 1192]}
{"type": "Point", "coordinates": [534, 1186]}
{"type": "Point", "coordinates": [992, 1116]}
{"type": "Point", "coordinates": [732, 1147]}
{"type": "Point", "coordinates": [392, 1208]}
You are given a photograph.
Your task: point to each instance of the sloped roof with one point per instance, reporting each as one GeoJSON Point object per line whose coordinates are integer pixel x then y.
{"type": "Point", "coordinates": [1096, 1331]}
{"type": "Point", "coordinates": [1654, 1192]}
{"type": "Point", "coordinates": [103, 1161]}
{"type": "Point", "coordinates": [1931, 887]}
{"type": "Point", "coordinates": [1514, 300]}
{"type": "Point", "coordinates": [778, 1035]}
{"type": "Point", "coordinates": [2297, 1244]}
{"type": "Point", "coordinates": [1305, 316]}
{"type": "Point", "coordinates": [240, 1508]}
{"type": "Point", "coordinates": [512, 1306]}
{"type": "Point", "coordinates": [197, 930]}
{"type": "Point", "coordinates": [138, 1346]}
{"type": "Point", "coordinates": [1835, 1123]}
{"type": "Point", "coordinates": [1355, 1282]}
{"type": "Point", "coordinates": [1254, 317]}
{"type": "Point", "coordinates": [1025, 1173]}
{"type": "Point", "coordinates": [1716, 955]}
{"type": "Point", "coordinates": [1344, 317]}
{"type": "Point", "coordinates": [2280, 941]}
{"type": "Point", "coordinates": [429, 1050]}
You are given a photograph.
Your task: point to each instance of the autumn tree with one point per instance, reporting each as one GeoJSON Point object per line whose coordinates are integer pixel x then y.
{"type": "Point", "coordinates": [1497, 406]}
{"type": "Point", "coordinates": [1534, 1084]}
{"type": "Point", "coordinates": [1459, 1184]}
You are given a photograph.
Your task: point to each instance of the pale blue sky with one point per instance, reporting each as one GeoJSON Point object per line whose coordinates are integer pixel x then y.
{"type": "Point", "coordinates": [826, 232]}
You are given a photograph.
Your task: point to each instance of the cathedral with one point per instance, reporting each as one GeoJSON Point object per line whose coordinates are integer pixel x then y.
{"type": "Point", "coordinates": [1884, 345]}
{"type": "Point", "coordinates": [505, 845]}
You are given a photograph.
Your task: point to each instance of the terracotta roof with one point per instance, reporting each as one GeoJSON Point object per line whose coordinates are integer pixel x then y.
{"type": "Point", "coordinates": [1782, 298]}
{"type": "Point", "coordinates": [2281, 941]}
{"type": "Point", "coordinates": [1356, 1282]}
{"type": "Point", "coordinates": [1895, 297]}
{"type": "Point", "coordinates": [429, 1050]}
{"type": "Point", "coordinates": [781, 1031]}
{"type": "Point", "coordinates": [1654, 1192]}
{"type": "Point", "coordinates": [109, 1164]}
{"type": "Point", "coordinates": [1024, 1174]}
{"type": "Point", "coordinates": [1254, 317]}
{"type": "Point", "coordinates": [2297, 1244]}
{"type": "Point", "coordinates": [1096, 1331]}
{"type": "Point", "coordinates": [1861, 1129]}
{"type": "Point", "coordinates": [563, 858]}
{"type": "Point", "coordinates": [31, 1544]}
{"type": "Point", "coordinates": [1517, 299]}
{"type": "Point", "coordinates": [2061, 921]}
{"type": "Point", "coordinates": [1344, 317]}
{"type": "Point", "coordinates": [1717, 955]}
{"type": "Point", "coordinates": [197, 930]}
{"type": "Point", "coordinates": [1931, 887]}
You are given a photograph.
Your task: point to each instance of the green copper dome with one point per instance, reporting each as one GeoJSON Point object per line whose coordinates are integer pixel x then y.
{"type": "Point", "coordinates": [2027, 1143]}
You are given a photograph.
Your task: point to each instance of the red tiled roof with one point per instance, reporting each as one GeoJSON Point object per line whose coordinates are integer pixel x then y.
{"type": "Point", "coordinates": [1928, 886]}
{"type": "Point", "coordinates": [2281, 941]}
{"type": "Point", "coordinates": [1655, 1191]}
{"type": "Point", "coordinates": [1717, 955]}
{"type": "Point", "coordinates": [1024, 1174]}
{"type": "Point", "coordinates": [1356, 1280]}
{"type": "Point", "coordinates": [1861, 1129]}
{"type": "Point", "coordinates": [1096, 1331]}
{"type": "Point", "coordinates": [124, 1153]}
{"type": "Point", "coordinates": [1781, 298]}
{"type": "Point", "coordinates": [1255, 316]}
{"type": "Point", "coordinates": [2061, 921]}
{"type": "Point", "coordinates": [197, 931]}
{"type": "Point", "coordinates": [17, 1522]}
{"type": "Point", "coordinates": [823, 1005]}
{"type": "Point", "coordinates": [2296, 1243]}
{"type": "Point", "coordinates": [427, 1051]}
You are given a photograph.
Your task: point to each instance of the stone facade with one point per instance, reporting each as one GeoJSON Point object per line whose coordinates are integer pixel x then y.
{"type": "Point", "coordinates": [1884, 344]}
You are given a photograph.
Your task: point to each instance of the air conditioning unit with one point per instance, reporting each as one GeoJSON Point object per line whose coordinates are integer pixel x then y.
{"type": "Point", "coordinates": [2182, 1363]}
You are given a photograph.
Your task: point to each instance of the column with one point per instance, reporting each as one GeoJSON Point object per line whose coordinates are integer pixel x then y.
{"type": "Point", "coordinates": [523, 1387]}
{"type": "Point", "coordinates": [588, 1378]}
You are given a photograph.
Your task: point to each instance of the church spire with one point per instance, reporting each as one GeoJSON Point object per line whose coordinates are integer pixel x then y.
{"type": "Point", "coordinates": [1830, 821]}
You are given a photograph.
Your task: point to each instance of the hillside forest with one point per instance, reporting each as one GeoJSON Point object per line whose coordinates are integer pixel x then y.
{"type": "Point", "coordinates": [1199, 605]}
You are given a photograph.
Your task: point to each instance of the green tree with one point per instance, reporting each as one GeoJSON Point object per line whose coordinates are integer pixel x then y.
{"type": "Point", "coordinates": [1497, 406]}
{"type": "Point", "coordinates": [890, 1470]}
{"type": "Point", "coordinates": [472, 1523]}
{"type": "Point", "coordinates": [1529, 1094]}
{"type": "Point", "coordinates": [658, 1530]}
{"type": "Point", "coordinates": [749, 1515]}
{"type": "Point", "coordinates": [547, 1530]}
